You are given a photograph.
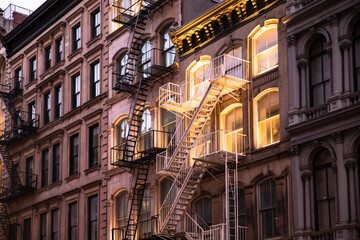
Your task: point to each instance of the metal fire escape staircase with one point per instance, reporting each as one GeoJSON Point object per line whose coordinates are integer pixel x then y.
{"type": "Point", "coordinates": [15, 126]}
{"type": "Point", "coordinates": [135, 17]}
{"type": "Point", "coordinates": [226, 75]}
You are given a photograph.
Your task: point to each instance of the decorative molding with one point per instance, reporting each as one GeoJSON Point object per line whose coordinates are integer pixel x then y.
{"type": "Point", "coordinates": [291, 40]}
{"type": "Point", "coordinates": [295, 150]}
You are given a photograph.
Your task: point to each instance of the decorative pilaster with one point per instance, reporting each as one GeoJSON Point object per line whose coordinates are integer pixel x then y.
{"type": "Point", "coordinates": [345, 44]}
{"type": "Point", "coordinates": [302, 64]}
{"type": "Point", "coordinates": [350, 163]}
{"type": "Point", "coordinates": [306, 175]}
{"type": "Point", "coordinates": [336, 55]}
{"type": "Point", "coordinates": [294, 85]}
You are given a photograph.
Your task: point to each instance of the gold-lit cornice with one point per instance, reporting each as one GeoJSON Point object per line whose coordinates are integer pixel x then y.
{"type": "Point", "coordinates": [202, 29]}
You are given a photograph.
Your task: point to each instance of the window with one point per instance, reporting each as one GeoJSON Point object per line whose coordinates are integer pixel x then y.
{"type": "Point", "coordinates": [56, 163]}
{"type": "Point", "coordinates": [168, 49]}
{"type": "Point", "coordinates": [58, 49]}
{"type": "Point", "coordinates": [95, 23]}
{"type": "Point", "coordinates": [75, 88]}
{"type": "Point", "coordinates": [121, 66]}
{"type": "Point", "coordinates": [267, 209]}
{"type": "Point", "coordinates": [55, 224]}
{"type": "Point", "coordinates": [145, 121]}
{"type": "Point", "coordinates": [74, 154]}
{"type": "Point", "coordinates": [29, 171]}
{"type": "Point", "coordinates": [47, 57]}
{"type": "Point", "coordinates": [76, 36]}
{"type": "Point", "coordinates": [320, 73]}
{"type": "Point", "coordinates": [17, 78]}
{"type": "Point", "coordinates": [93, 217]}
{"type": "Point", "coordinates": [93, 145]}
{"type": "Point", "coordinates": [31, 113]}
{"type": "Point", "coordinates": [265, 45]}
{"type": "Point", "coordinates": [168, 124]}
{"type": "Point", "coordinates": [95, 79]}
{"type": "Point", "coordinates": [27, 229]}
{"type": "Point", "coordinates": [32, 68]}
{"type": "Point", "coordinates": [43, 226]}
{"type": "Point", "coordinates": [356, 57]}
{"type": "Point", "coordinates": [45, 168]}
{"type": "Point", "coordinates": [232, 122]}
{"type": "Point", "coordinates": [145, 215]}
{"type": "Point", "coordinates": [121, 132]}
{"type": "Point", "coordinates": [58, 96]}
{"type": "Point", "coordinates": [324, 181]}
{"type": "Point", "coordinates": [203, 211]}
{"type": "Point", "coordinates": [267, 117]}
{"type": "Point", "coordinates": [72, 230]}
{"type": "Point", "coordinates": [241, 207]}
{"type": "Point", "coordinates": [145, 60]}
{"type": "Point", "coordinates": [197, 83]}
{"type": "Point", "coordinates": [47, 106]}
{"type": "Point", "coordinates": [166, 198]}
{"type": "Point", "coordinates": [121, 204]}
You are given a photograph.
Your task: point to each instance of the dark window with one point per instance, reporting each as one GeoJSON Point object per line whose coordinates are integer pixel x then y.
{"type": "Point", "coordinates": [320, 72]}
{"type": "Point", "coordinates": [324, 177]}
{"type": "Point", "coordinates": [93, 217]}
{"type": "Point", "coordinates": [241, 207]}
{"type": "Point", "coordinates": [168, 49]}
{"type": "Point", "coordinates": [27, 229]}
{"type": "Point", "coordinates": [95, 23]}
{"type": "Point", "coordinates": [58, 96]}
{"type": "Point", "coordinates": [43, 226]}
{"type": "Point", "coordinates": [29, 171]}
{"type": "Point", "coordinates": [93, 145]}
{"type": "Point", "coordinates": [55, 224]}
{"type": "Point", "coordinates": [56, 163]}
{"type": "Point", "coordinates": [95, 79]}
{"type": "Point", "coordinates": [268, 209]}
{"type": "Point", "coordinates": [31, 114]}
{"type": "Point", "coordinates": [47, 105]}
{"type": "Point", "coordinates": [58, 49]}
{"type": "Point", "coordinates": [45, 168]}
{"type": "Point", "coordinates": [72, 231]}
{"type": "Point", "coordinates": [32, 68]}
{"type": "Point", "coordinates": [75, 91]}
{"type": "Point", "coordinates": [203, 210]}
{"type": "Point", "coordinates": [74, 151]}
{"type": "Point", "coordinates": [76, 35]}
{"type": "Point", "coordinates": [356, 57]}
{"type": "Point", "coordinates": [17, 78]}
{"type": "Point", "coordinates": [47, 57]}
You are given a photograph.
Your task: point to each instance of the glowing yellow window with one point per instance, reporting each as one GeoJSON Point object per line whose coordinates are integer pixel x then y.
{"type": "Point", "coordinates": [265, 49]}
{"type": "Point", "coordinates": [232, 123]}
{"type": "Point", "coordinates": [268, 119]}
{"type": "Point", "coordinates": [197, 80]}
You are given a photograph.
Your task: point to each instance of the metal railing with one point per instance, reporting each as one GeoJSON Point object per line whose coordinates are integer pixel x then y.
{"type": "Point", "coordinates": [22, 122]}
{"type": "Point", "coordinates": [157, 57]}
{"type": "Point", "coordinates": [9, 11]}
{"type": "Point", "coordinates": [124, 14]}
{"type": "Point", "coordinates": [169, 92]}
{"type": "Point", "coordinates": [10, 188]}
{"type": "Point", "coordinates": [216, 232]}
{"type": "Point", "coordinates": [221, 140]}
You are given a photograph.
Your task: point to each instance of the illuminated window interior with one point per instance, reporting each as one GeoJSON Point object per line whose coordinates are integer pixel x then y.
{"type": "Point", "coordinates": [232, 122]}
{"type": "Point", "coordinates": [121, 131]}
{"type": "Point", "coordinates": [121, 206]}
{"type": "Point", "coordinates": [267, 118]}
{"type": "Point", "coordinates": [198, 74]}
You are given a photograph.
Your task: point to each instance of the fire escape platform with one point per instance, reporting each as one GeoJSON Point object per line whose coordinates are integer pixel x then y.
{"type": "Point", "coordinates": [219, 157]}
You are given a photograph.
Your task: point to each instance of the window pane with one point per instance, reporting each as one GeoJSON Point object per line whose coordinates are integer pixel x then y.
{"type": "Point", "coordinates": [318, 94]}
{"type": "Point", "coordinates": [323, 215]}
{"type": "Point", "coordinates": [316, 75]}
{"type": "Point", "coordinates": [320, 184]}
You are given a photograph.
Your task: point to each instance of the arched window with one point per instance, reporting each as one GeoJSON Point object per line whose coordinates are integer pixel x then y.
{"type": "Point", "coordinates": [168, 124]}
{"type": "Point", "coordinates": [232, 123]}
{"type": "Point", "coordinates": [121, 131]}
{"type": "Point", "coordinates": [320, 72]}
{"type": "Point", "coordinates": [146, 121]}
{"type": "Point", "coordinates": [198, 79]}
{"type": "Point", "coordinates": [267, 118]}
{"type": "Point", "coordinates": [121, 210]}
{"type": "Point", "coordinates": [145, 60]}
{"type": "Point", "coordinates": [356, 55]}
{"type": "Point", "coordinates": [167, 198]}
{"type": "Point", "coordinates": [168, 57]}
{"type": "Point", "coordinates": [145, 141]}
{"type": "Point", "coordinates": [324, 181]}
{"type": "Point", "coordinates": [203, 211]}
{"type": "Point", "coordinates": [265, 49]}
{"type": "Point", "coordinates": [267, 209]}
{"type": "Point", "coordinates": [121, 65]}
{"type": "Point", "coordinates": [145, 215]}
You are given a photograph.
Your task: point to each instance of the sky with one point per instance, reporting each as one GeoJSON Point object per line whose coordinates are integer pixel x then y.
{"type": "Point", "coordinates": [29, 4]}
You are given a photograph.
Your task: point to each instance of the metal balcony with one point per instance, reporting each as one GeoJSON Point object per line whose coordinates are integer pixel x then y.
{"type": "Point", "coordinates": [11, 189]}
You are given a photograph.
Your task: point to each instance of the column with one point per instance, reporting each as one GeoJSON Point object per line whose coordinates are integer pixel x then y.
{"type": "Point", "coordinates": [297, 189]}
{"type": "Point", "coordinates": [302, 64]}
{"type": "Point", "coordinates": [336, 55]}
{"type": "Point", "coordinates": [350, 165]}
{"type": "Point", "coordinates": [306, 176]}
{"type": "Point", "coordinates": [342, 193]}
{"type": "Point", "coordinates": [294, 85]}
{"type": "Point", "coordinates": [345, 44]}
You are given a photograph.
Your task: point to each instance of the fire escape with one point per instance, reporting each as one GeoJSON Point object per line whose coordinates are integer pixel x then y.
{"type": "Point", "coordinates": [190, 154]}
{"type": "Point", "coordinates": [137, 150]}
{"type": "Point", "coordinates": [17, 125]}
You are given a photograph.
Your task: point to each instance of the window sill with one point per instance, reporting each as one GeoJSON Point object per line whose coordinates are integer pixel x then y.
{"type": "Point", "coordinates": [92, 169]}
{"type": "Point", "coordinates": [74, 53]}
{"type": "Point", "coordinates": [47, 187]}
{"type": "Point", "coordinates": [72, 177]}
{"type": "Point", "coordinates": [265, 77]}
{"type": "Point", "coordinates": [30, 83]}
{"type": "Point", "coordinates": [93, 40]}
{"type": "Point", "coordinates": [268, 146]}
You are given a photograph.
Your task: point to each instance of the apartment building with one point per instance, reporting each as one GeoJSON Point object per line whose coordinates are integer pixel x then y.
{"type": "Point", "coordinates": [198, 147]}
{"type": "Point", "coordinates": [323, 59]}
{"type": "Point", "coordinates": [53, 143]}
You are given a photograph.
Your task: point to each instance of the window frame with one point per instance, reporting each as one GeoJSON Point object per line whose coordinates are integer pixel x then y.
{"type": "Point", "coordinates": [29, 170]}
{"type": "Point", "coordinates": [47, 107]}
{"type": "Point", "coordinates": [91, 220]}
{"type": "Point", "coordinates": [73, 155]}
{"type": "Point", "coordinates": [167, 50]}
{"type": "Point", "coordinates": [95, 27]}
{"type": "Point", "coordinates": [59, 50]}
{"type": "Point", "coordinates": [53, 230]}
{"type": "Point", "coordinates": [75, 95]}
{"type": "Point", "coordinates": [32, 69]}
{"type": "Point", "coordinates": [43, 226]}
{"type": "Point", "coordinates": [76, 37]}
{"type": "Point", "coordinates": [121, 222]}
{"type": "Point", "coordinates": [17, 78]}
{"type": "Point", "coordinates": [27, 229]}
{"type": "Point", "coordinates": [47, 57]}
{"type": "Point", "coordinates": [70, 217]}
{"type": "Point", "coordinates": [32, 113]}
{"type": "Point", "coordinates": [95, 83]}
{"type": "Point", "coordinates": [45, 160]}
{"type": "Point", "coordinates": [56, 158]}
{"type": "Point", "coordinates": [94, 146]}
{"type": "Point", "coordinates": [57, 101]}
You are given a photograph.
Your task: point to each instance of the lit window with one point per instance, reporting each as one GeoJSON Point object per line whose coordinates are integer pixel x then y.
{"type": "Point", "coordinates": [265, 49]}
{"type": "Point", "coordinates": [324, 190]}
{"type": "Point", "coordinates": [168, 124]}
{"type": "Point", "coordinates": [168, 49]}
{"type": "Point", "coordinates": [121, 212]}
{"type": "Point", "coordinates": [197, 82]}
{"type": "Point", "coordinates": [232, 123]}
{"type": "Point", "coordinates": [267, 209]}
{"type": "Point", "coordinates": [267, 118]}
{"type": "Point", "coordinates": [146, 121]}
{"type": "Point", "coordinates": [320, 73]}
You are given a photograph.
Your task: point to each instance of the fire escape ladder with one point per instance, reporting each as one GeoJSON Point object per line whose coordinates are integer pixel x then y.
{"type": "Point", "coordinates": [231, 179]}
{"type": "Point", "coordinates": [137, 199]}
{"type": "Point", "coordinates": [5, 223]}
{"type": "Point", "coordinates": [10, 166]}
